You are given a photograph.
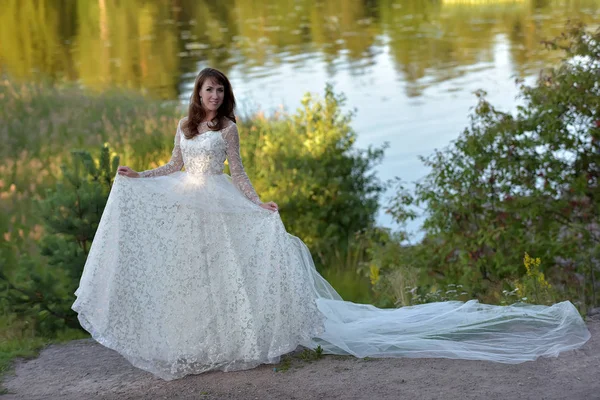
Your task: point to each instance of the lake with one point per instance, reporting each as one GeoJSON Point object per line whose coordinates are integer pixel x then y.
{"type": "Point", "coordinates": [409, 68]}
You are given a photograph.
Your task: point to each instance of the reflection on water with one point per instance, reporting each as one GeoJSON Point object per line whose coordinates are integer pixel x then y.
{"type": "Point", "coordinates": [408, 66]}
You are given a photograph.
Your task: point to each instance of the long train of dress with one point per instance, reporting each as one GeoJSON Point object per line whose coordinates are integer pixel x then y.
{"type": "Point", "coordinates": [188, 274]}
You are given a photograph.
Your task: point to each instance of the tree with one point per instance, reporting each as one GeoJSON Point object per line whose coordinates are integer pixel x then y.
{"type": "Point", "coordinates": [71, 213]}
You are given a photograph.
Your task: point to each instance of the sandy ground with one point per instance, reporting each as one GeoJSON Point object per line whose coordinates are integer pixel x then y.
{"type": "Point", "coordinates": [83, 369]}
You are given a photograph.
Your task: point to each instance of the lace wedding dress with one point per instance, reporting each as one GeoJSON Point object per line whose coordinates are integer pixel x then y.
{"type": "Point", "coordinates": [188, 274]}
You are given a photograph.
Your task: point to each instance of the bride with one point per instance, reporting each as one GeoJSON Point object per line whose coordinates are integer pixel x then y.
{"type": "Point", "coordinates": [190, 271]}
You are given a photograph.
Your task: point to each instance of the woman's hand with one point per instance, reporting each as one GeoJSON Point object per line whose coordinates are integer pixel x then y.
{"type": "Point", "coordinates": [123, 170]}
{"type": "Point", "coordinates": [269, 206]}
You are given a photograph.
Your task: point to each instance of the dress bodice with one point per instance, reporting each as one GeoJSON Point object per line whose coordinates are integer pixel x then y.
{"type": "Point", "coordinates": [206, 153]}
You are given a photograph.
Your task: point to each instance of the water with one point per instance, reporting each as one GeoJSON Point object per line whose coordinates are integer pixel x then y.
{"type": "Point", "coordinates": [408, 67]}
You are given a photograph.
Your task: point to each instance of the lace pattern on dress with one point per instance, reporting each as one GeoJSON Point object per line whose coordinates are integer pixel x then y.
{"type": "Point", "coordinates": [236, 168]}
{"type": "Point", "coordinates": [175, 163]}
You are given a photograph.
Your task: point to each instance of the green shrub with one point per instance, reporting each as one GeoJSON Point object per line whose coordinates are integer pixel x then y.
{"type": "Point", "coordinates": [513, 183]}
{"type": "Point", "coordinates": [308, 163]}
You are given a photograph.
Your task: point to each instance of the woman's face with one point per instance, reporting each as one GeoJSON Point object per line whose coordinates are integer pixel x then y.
{"type": "Point", "coordinates": [212, 94]}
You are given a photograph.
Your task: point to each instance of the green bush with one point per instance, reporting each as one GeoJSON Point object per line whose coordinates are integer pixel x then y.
{"type": "Point", "coordinates": [307, 162]}
{"type": "Point", "coordinates": [517, 183]}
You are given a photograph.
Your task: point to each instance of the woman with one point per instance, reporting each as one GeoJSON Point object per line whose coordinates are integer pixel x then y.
{"type": "Point", "coordinates": [191, 272]}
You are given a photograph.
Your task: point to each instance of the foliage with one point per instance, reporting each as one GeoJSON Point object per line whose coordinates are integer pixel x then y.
{"type": "Point", "coordinates": [386, 265]}
{"type": "Point", "coordinates": [43, 289]}
{"type": "Point", "coordinates": [516, 183]}
{"type": "Point", "coordinates": [396, 278]}
{"type": "Point", "coordinates": [307, 162]}
{"type": "Point", "coordinates": [306, 355]}
{"type": "Point", "coordinates": [531, 287]}
{"type": "Point", "coordinates": [534, 281]}
{"type": "Point", "coordinates": [311, 355]}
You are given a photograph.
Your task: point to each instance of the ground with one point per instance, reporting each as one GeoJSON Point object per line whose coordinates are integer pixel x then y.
{"type": "Point", "coordinates": [83, 369]}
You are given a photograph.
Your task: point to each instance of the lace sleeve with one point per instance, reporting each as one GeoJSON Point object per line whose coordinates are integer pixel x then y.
{"type": "Point", "coordinates": [175, 163]}
{"type": "Point", "coordinates": [236, 168]}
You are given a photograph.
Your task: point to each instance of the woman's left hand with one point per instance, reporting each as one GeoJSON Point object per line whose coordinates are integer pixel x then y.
{"type": "Point", "coordinates": [269, 206]}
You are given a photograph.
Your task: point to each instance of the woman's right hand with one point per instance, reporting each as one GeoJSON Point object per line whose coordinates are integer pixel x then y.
{"type": "Point", "coordinates": [123, 170]}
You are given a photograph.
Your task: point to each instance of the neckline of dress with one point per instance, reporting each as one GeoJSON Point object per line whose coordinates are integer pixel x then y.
{"type": "Point", "coordinates": [205, 123]}
{"type": "Point", "coordinates": [202, 132]}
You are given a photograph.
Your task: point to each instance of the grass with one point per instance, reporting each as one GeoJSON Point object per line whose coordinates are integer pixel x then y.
{"type": "Point", "coordinates": [18, 348]}
{"type": "Point", "coordinates": [18, 340]}
{"type": "Point", "coordinates": [306, 355]}
{"type": "Point", "coordinates": [349, 284]}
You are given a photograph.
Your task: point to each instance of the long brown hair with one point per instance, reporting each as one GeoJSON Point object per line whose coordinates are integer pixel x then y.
{"type": "Point", "coordinates": [196, 113]}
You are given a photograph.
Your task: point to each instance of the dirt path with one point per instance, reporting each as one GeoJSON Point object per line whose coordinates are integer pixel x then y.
{"type": "Point", "coordinates": [83, 369]}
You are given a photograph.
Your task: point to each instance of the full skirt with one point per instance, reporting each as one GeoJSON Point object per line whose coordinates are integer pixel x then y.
{"type": "Point", "coordinates": [186, 275]}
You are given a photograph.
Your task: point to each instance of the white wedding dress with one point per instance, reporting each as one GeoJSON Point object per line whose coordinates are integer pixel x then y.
{"type": "Point", "coordinates": [188, 274]}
